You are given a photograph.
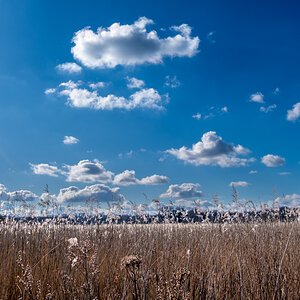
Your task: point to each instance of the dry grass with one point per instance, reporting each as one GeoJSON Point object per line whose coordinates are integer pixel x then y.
{"type": "Point", "coordinates": [158, 261]}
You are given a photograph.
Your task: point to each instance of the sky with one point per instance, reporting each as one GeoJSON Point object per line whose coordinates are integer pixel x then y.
{"type": "Point", "coordinates": [150, 99]}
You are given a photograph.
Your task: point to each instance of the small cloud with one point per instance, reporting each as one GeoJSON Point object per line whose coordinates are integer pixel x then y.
{"type": "Point", "coordinates": [284, 173]}
{"type": "Point", "coordinates": [88, 171]}
{"type": "Point", "coordinates": [185, 190]}
{"type": "Point", "coordinates": [134, 83]}
{"type": "Point", "coordinates": [197, 116]}
{"type": "Point", "coordinates": [239, 183]}
{"type": "Point", "coordinates": [69, 68]}
{"type": "Point", "coordinates": [268, 108]}
{"type": "Point", "coordinates": [224, 109]}
{"type": "Point", "coordinates": [172, 82]}
{"type": "Point", "coordinates": [253, 172]}
{"type": "Point", "coordinates": [211, 37]}
{"type": "Point", "coordinates": [45, 169]}
{"type": "Point", "coordinates": [214, 111]}
{"type": "Point", "coordinates": [70, 140]}
{"type": "Point", "coordinates": [294, 113]}
{"type": "Point", "coordinates": [70, 84]}
{"type": "Point", "coordinates": [257, 97]}
{"type": "Point", "coordinates": [50, 91]}
{"type": "Point", "coordinates": [97, 85]}
{"type": "Point", "coordinates": [276, 91]}
{"type": "Point", "coordinates": [271, 160]}
{"type": "Point", "coordinates": [128, 178]}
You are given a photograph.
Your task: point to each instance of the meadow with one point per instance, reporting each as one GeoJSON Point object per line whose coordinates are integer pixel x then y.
{"type": "Point", "coordinates": [206, 260]}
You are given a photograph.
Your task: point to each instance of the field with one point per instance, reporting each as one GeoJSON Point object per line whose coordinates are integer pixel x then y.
{"type": "Point", "coordinates": [257, 260]}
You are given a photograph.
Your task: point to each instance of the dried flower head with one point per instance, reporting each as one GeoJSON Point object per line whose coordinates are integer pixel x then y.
{"type": "Point", "coordinates": [73, 242]}
{"type": "Point", "coordinates": [131, 261]}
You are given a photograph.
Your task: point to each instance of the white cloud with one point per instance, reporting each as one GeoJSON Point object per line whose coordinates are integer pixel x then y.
{"type": "Point", "coordinates": [257, 97]}
{"type": "Point", "coordinates": [22, 195]}
{"type": "Point", "coordinates": [70, 140]}
{"type": "Point", "coordinates": [185, 190]}
{"type": "Point", "coordinates": [224, 109]}
{"type": "Point", "coordinates": [97, 85]}
{"type": "Point", "coordinates": [69, 68]}
{"type": "Point", "coordinates": [45, 169]}
{"type": "Point", "coordinates": [253, 172]}
{"type": "Point", "coordinates": [81, 97]}
{"type": "Point", "coordinates": [276, 91]}
{"type": "Point", "coordinates": [294, 113]}
{"type": "Point", "coordinates": [239, 183]}
{"type": "Point", "coordinates": [268, 108]}
{"type": "Point", "coordinates": [292, 200]}
{"type": "Point", "coordinates": [197, 116]}
{"type": "Point", "coordinates": [214, 111]}
{"type": "Point", "coordinates": [88, 171]}
{"type": "Point", "coordinates": [284, 173]}
{"type": "Point", "coordinates": [98, 192]}
{"type": "Point", "coordinates": [172, 82]}
{"type": "Point", "coordinates": [271, 160]}
{"type": "Point", "coordinates": [130, 45]}
{"type": "Point", "coordinates": [3, 192]}
{"type": "Point", "coordinates": [70, 84]}
{"type": "Point", "coordinates": [134, 83]}
{"type": "Point", "coordinates": [128, 178]}
{"type": "Point", "coordinates": [145, 98]}
{"type": "Point", "coordinates": [50, 91]}
{"type": "Point", "coordinates": [154, 180]}
{"type": "Point", "coordinates": [212, 150]}
{"type": "Point", "coordinates": [211, 37]}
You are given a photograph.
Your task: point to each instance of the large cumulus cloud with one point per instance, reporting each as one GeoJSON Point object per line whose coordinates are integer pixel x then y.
{"type": "Point", "coordinates": [212, 150]}
{"type": "Point", "coordinates": [130, 45]}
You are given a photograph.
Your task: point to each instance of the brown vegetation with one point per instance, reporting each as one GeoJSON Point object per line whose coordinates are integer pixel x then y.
{"type": "Point", "coordinates": [156, 261]}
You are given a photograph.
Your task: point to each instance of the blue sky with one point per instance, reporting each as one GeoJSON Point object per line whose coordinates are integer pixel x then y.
{"type": "Point", "coordinates": [229, 76]}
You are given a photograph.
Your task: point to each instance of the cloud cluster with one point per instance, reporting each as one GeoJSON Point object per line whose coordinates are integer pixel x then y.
{"type": "Point", "coordinates": [71, 194]}
{"type": "Point", "coordinates": [172, 82]}
{"type": "Point", "coordinates": [292, 200]}
{"type": "Point", "coordinates": [93, 171]}
{"type": "Point", "coordinates": [128, 178]}
{"type": "Point", "coordinates": [294, 113]}
{"type": "Point", "coordinates": [80, 97]}
{"type": "Point", "coordinates": [185, 190]}
{"type": "Point", "coordinates": [271, 160]}
{"type": "Point", "coordinates": [212, 150]}
{"type": "Point", "coordinates": [213, 112]}
{"type": "Point", "coordinates": [268, 108]}
{"type": "Point", "coordinates": [18, 196]}
{"type": "Point", "coordinates": [130, 45]}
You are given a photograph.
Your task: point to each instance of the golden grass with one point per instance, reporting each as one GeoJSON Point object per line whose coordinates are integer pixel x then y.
{"type": "Point", "coordinates": [157, 261]}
